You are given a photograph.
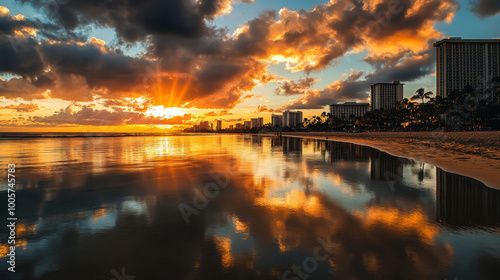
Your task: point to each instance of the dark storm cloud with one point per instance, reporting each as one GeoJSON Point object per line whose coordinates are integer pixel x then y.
{"type": "Point", "coordinates": [78, 71]}
{"type": "Point", "coordinates": [100, 66]}
{"type": "Point", "coordinates": [7, 25]}
{"type": "Point", "coordinates": [135, 19]}
{"type": "Point", "coordinates": [20, 56]}
{"type": "Point", "coordinates": [486, 8]}
{"type": "Point", "coordinates": [18, 50]}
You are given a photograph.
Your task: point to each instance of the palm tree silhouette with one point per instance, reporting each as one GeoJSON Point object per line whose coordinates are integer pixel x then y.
{"type": "Point", "coordinates": [421, 94]}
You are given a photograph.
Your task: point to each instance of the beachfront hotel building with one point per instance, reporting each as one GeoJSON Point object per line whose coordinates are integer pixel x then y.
{"type": "Point", "coordinates": [461, 62]}
{"type": "Point", "coordinates": [219, 125]}
{"type": "Point", "coordinates": [257, 122]}
{"type": "Point", "coordinates": [204, 126]}
{"type": "Point", "coordinates": [292, 119]}
{"type": "Point", "coordinates": [349, 109]}
{"type": "Point", "coordinates": [277, 120]}
{"type": "Point", "coordinates": [247, 124]}
{"type": "Point", "coordinates": [385, 95]}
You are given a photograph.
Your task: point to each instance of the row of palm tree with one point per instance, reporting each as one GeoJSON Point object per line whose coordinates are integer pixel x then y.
{"type": "Point", "coordinates": [465, 109]}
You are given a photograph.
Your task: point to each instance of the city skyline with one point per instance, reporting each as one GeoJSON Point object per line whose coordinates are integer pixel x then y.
{"type": "Point", "coordinates": [67, 69]}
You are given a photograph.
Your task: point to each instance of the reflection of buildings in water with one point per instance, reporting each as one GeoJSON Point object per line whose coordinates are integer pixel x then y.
{"type": "Point", "coordinates": [292, 144]}
{"type": "Point", "coordinates": [276, 141]}
{"type": "Point", "coordinates": [463, 201]}
{"type": "Point", "coordinates": [385, 167]}
{"type": "Point", "coordinates": [256, 139]}
{"type": "Point", "coordinates": [347, 152]}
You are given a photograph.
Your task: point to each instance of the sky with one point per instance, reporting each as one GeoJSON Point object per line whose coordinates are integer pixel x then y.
{"type": "Point", "coordinates": [153, 65]}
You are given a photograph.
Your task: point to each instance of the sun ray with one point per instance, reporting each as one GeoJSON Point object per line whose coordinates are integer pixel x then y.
{"type": "Point", "coordinates": [183, 91]}
{"type": "Point", "coordinates": [172, 92]}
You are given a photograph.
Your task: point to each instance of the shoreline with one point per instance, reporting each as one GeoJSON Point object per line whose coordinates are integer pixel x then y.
{"type": "Point", "coordinates": [452, 154]}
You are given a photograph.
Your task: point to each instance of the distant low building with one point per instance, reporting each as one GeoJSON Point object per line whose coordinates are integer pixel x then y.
{"type": "Point", "coordinates": [247, 124]}
{"type": "Point", "coordinates": [277, 120]}
{"type": "Point", "coordinates": [385, 95]}
{"type": "Point", "coordinates": [231, 127]}
{"type": "Point", "coordinates": [348, 109]}
{"type": "Point", "coordinates": [292, 119]}
{"type": "Point", "coordinates": [239, 126]}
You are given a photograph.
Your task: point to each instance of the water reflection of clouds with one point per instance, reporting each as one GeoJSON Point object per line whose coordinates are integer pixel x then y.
{"type": "Point", "coordinates": [277, 204]}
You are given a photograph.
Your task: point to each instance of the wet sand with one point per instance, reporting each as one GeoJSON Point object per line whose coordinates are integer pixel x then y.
{"type": "Point", "coordinates": [472, 154]}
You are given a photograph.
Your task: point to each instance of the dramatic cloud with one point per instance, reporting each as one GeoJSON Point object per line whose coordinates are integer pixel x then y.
{"type": "Point", "coordinates": [18, 53]}
{"type": "Point", "coordinates": [264, 108]}
{"type": "Point", "coordinates": [189, 63]}
{"type": "Point", "coordinates": [90, 116]}
{"type": "Point", "coordinates": [354, 88]}
{"type": "Point", "coordinates": [485, 8]}
{"type": "Point", "coordinates": [295, 88]}
{"type": "Point", "coordinates": [134, 20]}
{"type": "Point", "coordinates": [21, 88]}
{"type": "Point", "coordinates": [135, 105]}
{"type": "Point", "coordinates": [311, 40]}
{"type": "Point", "coordinates": [23, 107]}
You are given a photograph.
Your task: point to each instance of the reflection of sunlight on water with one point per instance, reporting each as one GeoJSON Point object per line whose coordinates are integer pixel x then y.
{"type": "Point", "coordinates": [240, 227]}
{"type": "Point", "coordinates": [21, 231]}
{"type": "Point", "coordinates": [280, 199]}
{"type": "Point", "coordinates": [406, 223]}
{"type": "Point", "coordinates": [224, 247]}
{"type": "Point", "coordinates": [99, 213]}
{"type": "Point", "coordinates": [294, 200]}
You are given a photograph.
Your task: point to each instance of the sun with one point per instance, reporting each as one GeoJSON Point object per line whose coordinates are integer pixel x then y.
{"type": "Point", "coordinates": [165, 112]}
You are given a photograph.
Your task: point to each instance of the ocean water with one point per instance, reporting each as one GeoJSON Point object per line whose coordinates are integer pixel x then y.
{"type": "Point", "coordinates": [239, 207]}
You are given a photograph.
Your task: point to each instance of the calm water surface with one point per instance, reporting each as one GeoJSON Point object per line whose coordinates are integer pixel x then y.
{"type": "Point", "coordinates": [241, 207]}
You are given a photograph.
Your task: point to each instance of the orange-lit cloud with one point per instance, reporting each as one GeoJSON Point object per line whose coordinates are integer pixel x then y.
{"type": "Point", "coordinates": [23, 107]}
{"type": "Point", "coordinates": [188, 64]}
{"type": "Point", "coordinates": [94, 117]}
{"type": "Point", "coordinates": [296, 88]}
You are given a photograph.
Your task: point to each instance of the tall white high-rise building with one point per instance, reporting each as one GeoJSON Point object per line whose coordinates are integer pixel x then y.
{"type": "Point", "coordinates": [461, 62]}
{"type": "Point", "coordinates": [219, 125]}
{"type": "Point", "coordinates": [292, 119]}
{"type": "Point", "coordinates": [385, 95]}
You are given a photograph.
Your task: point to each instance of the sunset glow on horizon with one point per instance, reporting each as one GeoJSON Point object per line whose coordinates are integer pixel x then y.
{"type": "Point", "coordinates": [163, 66]}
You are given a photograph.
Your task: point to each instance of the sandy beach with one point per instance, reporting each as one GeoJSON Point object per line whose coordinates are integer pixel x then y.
{"type": "Point", "coordinates": [472, 154]}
